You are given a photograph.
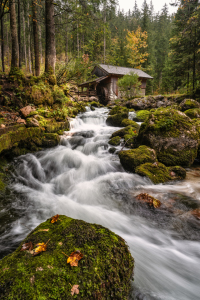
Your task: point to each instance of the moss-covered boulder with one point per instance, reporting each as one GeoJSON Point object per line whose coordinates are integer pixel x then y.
{"type": "Point", "coordinates": [142, 115]}
{"type": "Point", "coordinates": [130, 159]}
{"type": "Point", "coordinates": [117, 109]}
{"type": "Point", "coordinates": [189, 104]}
{"type": "Point", "coordinates": [193, 113]}
{"type": "Point", "coordinates": [159, 173]}
{"type": "Point", "coordinates": [104, 272]}
{"type": "Point", "coordinates": [115, 141]}
{"type": "Point", "coordinates": [133, 124]}
{"type": "Point", "coordinates": [116, 119]}
{"type": "Point", "coordinates": [127, 130]}
{"type": "Point", "coordinates": [172, 134]}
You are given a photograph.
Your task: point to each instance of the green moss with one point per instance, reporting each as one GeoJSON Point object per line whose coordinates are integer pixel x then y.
{"type": "Point", "coordinates": [94, 104]}
{"type": "Point", "coordinates": [117, 110]}
{"type": "Point", "coordinates": [16, 74]}
{"type": "Point", "coordinates": [115, 141]}
{"type": "Point", "coordinates": [159, 173]}
{"type": "Point", "coordinates": [142, 115]}
{"type": "Point", "coordinates": [59, 95]}
{"type": "Point", "coordinates": [130, 159]}
{"type": "Point", "coordinates": [130, 141]}
{"type": "Point", "coordinates": [50, 140]}
{"type": "Point", "coordinates": [40, 94]}
{"type": "Point", "coordinates": [55, 127]}
{"type": "Point", "coordinates": [133, 124]}
{"type": "Point", "coordinates": [127, 130]}
{"type": "Point", "coordinates": [173, 157]}
{"type": "Point", "coordinates": [189, 104]}
{"type": "Point", "coordinates": [116, 119]}
{"type": "Point", "coordinates": [104, 272]}
{"type": "Point", "coordinates": [193, 113]}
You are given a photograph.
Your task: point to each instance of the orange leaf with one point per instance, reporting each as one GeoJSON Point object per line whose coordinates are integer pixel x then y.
{"type": "Point", "coordinates": [27, 246]}
{"type": "Point", "coordinates": [55, 219]}
{"type": "Point", "coordinates": [75, 289]}
{"type": "Point", "coordinates": [40, 248]}
{"type": "Point", "coordinates": [74, 258]}
{"type": "Point", "coordinates": [151, 201]}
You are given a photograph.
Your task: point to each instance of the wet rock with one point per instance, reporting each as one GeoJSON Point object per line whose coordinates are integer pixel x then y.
{"type": "Point", "coordinates": [115, 141]}
{"type": "Point", "coordinates": [32, 122]}
{"type": "Point", "coordinates": [131, 159]}
{"type": "Point", "coordinates": [93, 99]}
{"type": "Point", "coordinates": [118, 109]}
{"type": "Point", "coordinates": [159, 173]}
{"type": "Point", "coordinates": [112, 150]}
{"type": "Point", "coordinates": [104, 271]}
{"type": "Point", "coordinates": [25, 111]}
{"type": "Point", "coordinates": [196, 213]}
{"type": "Point", "coordinates": [172, 134]}
{"type": "Point", "coordinates": [189, 104]}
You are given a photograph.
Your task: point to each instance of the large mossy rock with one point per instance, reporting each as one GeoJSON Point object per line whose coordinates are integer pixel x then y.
{"type": "Point", "coordinates": [173, 135]}
{"type": "Point", "coordinates": [127, 130]}
{"type": "Point", "coordinates": [189, 104]}
{"type": "Point", "coordinates": [131, 159]}
{"type": "Point", "coordinates": [159, 173]}
{"type": "Point", "coordinates": [115, 141]}
{"type": "Point", "coordinates": [142, 115]}
{"type": "Point", "coordinates": [104, 272]}
{"type": "Point", "coordinates": [21, 140]}
{"type": "Point", "coordinates": [116, 119]}
{"type": "Point", "coordinates": [193, 113]}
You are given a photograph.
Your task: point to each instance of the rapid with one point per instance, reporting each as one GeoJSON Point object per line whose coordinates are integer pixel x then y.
{"type": "Point", "coordinates": [81, 179]}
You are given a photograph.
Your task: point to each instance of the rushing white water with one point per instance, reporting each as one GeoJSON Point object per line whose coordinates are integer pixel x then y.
{"type": "Point", "coordinates": [81, 179]}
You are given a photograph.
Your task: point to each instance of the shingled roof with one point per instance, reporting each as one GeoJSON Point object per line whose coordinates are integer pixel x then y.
{"type": "Point", "coordinates": [123, 71]}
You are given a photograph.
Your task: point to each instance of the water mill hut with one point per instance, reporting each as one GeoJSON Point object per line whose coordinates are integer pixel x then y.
{"type": "Point", "coordinates": [105, 86]}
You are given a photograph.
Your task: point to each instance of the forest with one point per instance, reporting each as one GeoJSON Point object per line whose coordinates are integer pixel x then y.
{"type": "Point", "coordinates": [72, 36]}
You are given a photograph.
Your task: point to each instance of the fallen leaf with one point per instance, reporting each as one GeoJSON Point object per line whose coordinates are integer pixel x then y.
{"type": "Point", "coordinates": [6, 269]}
{"type": "Point", "coordinates": [60, 243]}
{"type": "Point", "coordinates": [43, 230]}
{"type": "Point", "coordinates": [39, 269]}
{"type": "Point", "coordinates": [172, 174]}
{"type": "Point", "coordinates": [74, 289]}
{"type": "Point", "coordinates": [32, 279]}
{"type": "Point", "coordinates": [55, 219]}
{"type": "Point", "coordinates": [74, 258]}
{"type": "Point", "coordinates": [27, 246]}
{"type": "Point", "coordinates": [151, 201]}
{"type": "Point", "coordinates": [40, 247]}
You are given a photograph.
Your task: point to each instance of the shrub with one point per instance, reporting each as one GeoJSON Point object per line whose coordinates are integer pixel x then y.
{"type": "Point", "coordinates": [129, 85]}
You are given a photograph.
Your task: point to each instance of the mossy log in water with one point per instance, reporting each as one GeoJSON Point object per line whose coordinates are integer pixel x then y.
{"type": "Point", "coordinates": [104, 272]}
{"type": "Point", "coordinates": [130, 159]}
{"type": "Point", "coordinates": [159, 173]}
{"type": "Point", "coordinates": [173, 135]}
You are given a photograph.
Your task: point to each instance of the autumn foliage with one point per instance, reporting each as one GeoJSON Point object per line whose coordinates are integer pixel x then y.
{"type": "Point", "coordinates": [136, 46]}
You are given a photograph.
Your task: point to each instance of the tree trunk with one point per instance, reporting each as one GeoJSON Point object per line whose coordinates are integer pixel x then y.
{"type": "Point", "coordinates": [24, 29]}
{"type": "Point", "coordinates": [2, 46]}
{"type": "Point", "coordinates": [77, 41]}
{"type": "Point", "coordinates": [104, 37]}
{"type": "Point", "coordinates": [50, 58]}
{"type": "Point", "coordinates": [7, 42]}
{"type": "Point", "coordinates": [19, 34]}
{"type": "Point", "coordinates": [66, 45]}
{"type": "Point", "coordinates": [14, 40]}
{"type": "Point", "coordinates": [29, 42]}
{"type": "Point", "coordinates": [36, 38]}
{"type": "Point", "coordinates": [40, 43]}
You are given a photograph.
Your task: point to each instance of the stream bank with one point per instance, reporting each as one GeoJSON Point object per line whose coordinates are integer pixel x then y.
{"type": "Point", "coordinates": [81, 179]}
